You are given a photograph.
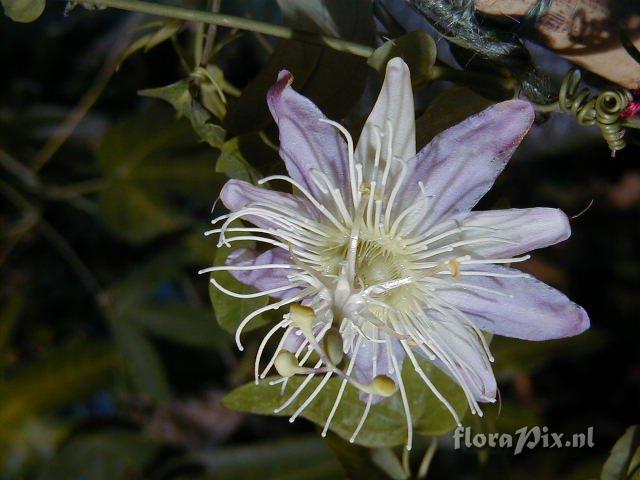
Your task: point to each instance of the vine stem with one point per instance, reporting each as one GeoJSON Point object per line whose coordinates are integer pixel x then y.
{"type": "Point", "coordinates": [219, 19]}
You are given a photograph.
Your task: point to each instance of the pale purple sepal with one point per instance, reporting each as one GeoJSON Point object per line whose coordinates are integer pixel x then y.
{"type": "Point", "coordinates": [524, 230]}
{"type": "Point", "coordinates": [461, 164]}
{"type": "Point", "coordinates": [306, 142]}
{"type": "Point", "coordinates": [527, 308]}
{"type": "Point", "coordinates": [373, 360]}
{"type": "Point", "coordinates": [264, 279]}
{"type": "Point", "coordinates": [238, 194]}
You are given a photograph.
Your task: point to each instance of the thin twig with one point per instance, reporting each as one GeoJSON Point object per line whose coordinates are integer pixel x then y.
{"type": "Point", "coordinates": [183, 13]}
{"type": "Point", "coordinates": [87, 101]}
{"type": "Point", "coordinates": [66, 251]}
{"type": "Point", "coordinates": [211, 36]}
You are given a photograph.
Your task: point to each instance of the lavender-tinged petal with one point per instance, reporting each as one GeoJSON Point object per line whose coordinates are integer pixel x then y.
{"type": "Point", "coordinates": [364, 363]}
{"type": "Point", "coordinates": [526, 230]}
{"type": "Point", "coordinates": [527, 308]}
{"type": "Point", "coordinates": [293, 340]}
{"type": "Point", "coordinates": [394, 108]}
{"type": "Point", "coordinates": [461, 164]}
{"type": "Point", "coordinates": [306, 142]}
{"type": "Point", "coordinates": [263, 279]}
{"type": "Point", "coordinates": [238, 194]}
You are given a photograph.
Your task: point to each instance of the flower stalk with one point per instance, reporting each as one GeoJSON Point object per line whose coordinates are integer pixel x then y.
{"type": "Point", "coordinates": [231, 21]}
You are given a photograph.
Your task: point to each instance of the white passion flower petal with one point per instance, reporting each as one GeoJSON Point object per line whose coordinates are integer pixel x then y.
{"type": "Point", "coordinates": [391, 120]}
{"type": "Point", "coordinates": [383, 258]}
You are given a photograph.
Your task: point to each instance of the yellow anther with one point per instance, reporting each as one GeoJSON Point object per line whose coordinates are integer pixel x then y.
{"type": "Point", "coordinates": [286, 364]}
{"type": "Point", "coordinates": [384, 386]}
{"type": "Point", "coordinates": [302, 317]}
{"type": "Point", "coordinates": [333, 347]}
{"type": "Point", "coordinates": [411, 342]}
{"type": "Point", "coordinates": [454, 267]}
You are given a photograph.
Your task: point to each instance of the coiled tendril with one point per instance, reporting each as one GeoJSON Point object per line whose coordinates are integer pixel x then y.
{"type": "Point", "coordinates": [605, 110]}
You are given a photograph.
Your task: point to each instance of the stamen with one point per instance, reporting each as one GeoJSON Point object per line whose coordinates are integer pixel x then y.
{"type": "Point", "coordinates": [297, 391]}
{"type": "Point", "coordinates": [234, 268]}
{"type": "Point", "coordinates": [363, 418]}
{"type": "Point", "coordinates": [336, 195]}
{"type": "Point", "coordinates": [305, 192]}
{"type": "Point", "coordinates": [389, 159]}
{"type": "Point", "coordinates": [394, 192]}
{"type": "Point", "coordinates": [376, 158]}
{"type": "Point", "coordinates": [365, 414]}
{"type": "Point", "coordinates": [523, 258]}
{"type": "Point", "coordinates": [286, 333]}
{"type": "Point", "coordinates": [311, 397]}
{"type": "Point", "coordinates": [469, 273]}
{"type": "Point", "coordinates": [429, 384]}
{"type": "Point", "coordinates": [405, 401]}
{"type": "Point", "coordinates": [263, 344]}
{"type": "Point", "coordinates": [272, 306]}
{"type": "Point", "coordinates": [352, 175]}
{"type": "Point", "coordinates": [343, 385]}
{"type": "Point", "coordinates": [252, 295]}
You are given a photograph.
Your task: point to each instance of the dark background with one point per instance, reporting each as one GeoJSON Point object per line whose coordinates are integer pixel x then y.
{"type": "Point", "coordinates": [90, 385]}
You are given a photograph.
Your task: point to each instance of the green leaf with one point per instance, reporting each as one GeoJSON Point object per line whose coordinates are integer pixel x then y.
{"type": "Point", "coordinates": [232, 163]}
{"type": "Point", "coordinates": [106, 455]}
{"type": "Point", "coordinates": [167, 28]}
{"type": "Point", "coordinates": [209, 132]}
{"type": "Point", "coordinates": [230, 311]}
{"type": "Point", "coordinates": [448, 109]}
{"type": "Point", "coordinates": [177, 94]}
{"type": "Point", "coordinates": [619, 465]}
{"type": "Point", "coordinates": [149, 161]}
{"type": "Point", "coordinates": [211, 83]}
{"type": "Point", "coordinates": [290, 459]}
{"type": "Point", "coordinates": [136, 215]}
{"type": "Point", "coordinates": [131, 312]}
{"type": "Point", "coordinates": [184, 324]}
{"type": "Point", "coordinates": [332, 80]}
{"type": "Point", "coordinates": [23, 11]}
{"type": "Point", "coordinates": [139, 357]}
{"type": "Point", "coordinates": [388, 461]}
{"type": "Point", "coordinates": [385, 425]}
{"type": "Point", "coordinates": [140, 284]}
{"type": "Point", "coordinates": [416, 48]}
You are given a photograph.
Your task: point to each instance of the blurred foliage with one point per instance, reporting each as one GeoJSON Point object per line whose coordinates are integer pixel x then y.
{"type": "Point", "coordinates": [23, 11]}
{"type": "Point", "coordinates": [416, 48]}
{"type": "Point", "coordinates": [112, 364]}
{"type": "Point", "coordinates": [624, 461]}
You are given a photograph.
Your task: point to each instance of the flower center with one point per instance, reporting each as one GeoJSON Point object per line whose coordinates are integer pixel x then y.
{"type": "Point", "coordinates": [375, 264]}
